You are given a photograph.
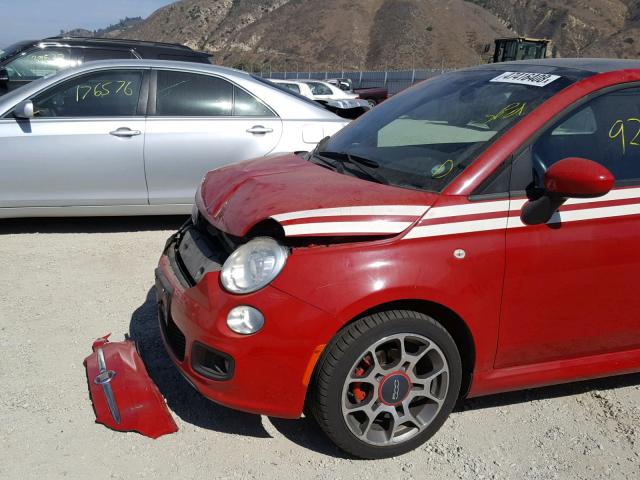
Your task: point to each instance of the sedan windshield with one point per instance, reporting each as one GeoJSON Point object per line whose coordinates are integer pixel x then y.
{"type": "Point", "coordinates": [423, 138]}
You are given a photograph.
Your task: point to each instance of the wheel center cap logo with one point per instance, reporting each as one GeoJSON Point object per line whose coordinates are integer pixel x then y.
{"type": "Point", "coordinates": [394, 388]}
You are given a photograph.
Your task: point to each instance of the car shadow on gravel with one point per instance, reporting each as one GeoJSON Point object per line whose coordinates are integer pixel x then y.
{"type": "Point", "coordinates": [91, 224]}
{"type": "Point", "coordinates": [307, 434]}
{"type": "Point", "coordinates": [185, 402]}
{"type": "Point", "coordinates": [546, 393]}
{"type": "Point", "coordinates": [182, 399]}
{"type": "Point", "coordinates": [192, 407]}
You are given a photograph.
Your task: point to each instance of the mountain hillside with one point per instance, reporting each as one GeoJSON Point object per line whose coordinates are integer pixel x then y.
{"type": "Point", "coordinates": [302, 34]}
{"type": "Point", "coordinates": [584, 28]}
{"type": "Point", "coordinates": [374, 34]}
{"type": "Point", "coordinates": [117, 29]}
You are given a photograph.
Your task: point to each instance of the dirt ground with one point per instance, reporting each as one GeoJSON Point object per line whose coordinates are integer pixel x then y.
{"type": "Point", "coordinates": [65, 282]}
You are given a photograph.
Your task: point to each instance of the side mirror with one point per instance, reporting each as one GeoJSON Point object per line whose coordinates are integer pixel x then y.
{"type": "Point", "coordinates": [24, 109]}
{"type": "Point", "coordinates": [578, 178]}
{"type": "Point", "coordinates": [4, 75]}
{"type": "Point", "coordinates": [571, 177]}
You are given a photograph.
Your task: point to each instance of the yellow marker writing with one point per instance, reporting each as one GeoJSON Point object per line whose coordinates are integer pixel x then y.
{"type": "Point", "coordinates": [442, 170]}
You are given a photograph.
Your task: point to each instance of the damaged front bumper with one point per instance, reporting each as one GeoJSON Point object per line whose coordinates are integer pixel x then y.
{"type": "Point", "coordinates": [266, 372]}
{"type": "Point", "coordinates": [124, 396]}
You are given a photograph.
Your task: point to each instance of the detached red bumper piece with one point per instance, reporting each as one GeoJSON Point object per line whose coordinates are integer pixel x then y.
{"type": "Point", "coordinates": [124, 396]}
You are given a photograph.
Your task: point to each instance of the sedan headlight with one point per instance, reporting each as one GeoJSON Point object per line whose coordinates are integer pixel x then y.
{"type": "Point", "coordinates": [253, 265]}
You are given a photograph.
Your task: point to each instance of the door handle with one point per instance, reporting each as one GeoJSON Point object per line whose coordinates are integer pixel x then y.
{"type": "Point", "coordinates": [125, 132]}
{"type": "Point", "coordinates": [259, 129]}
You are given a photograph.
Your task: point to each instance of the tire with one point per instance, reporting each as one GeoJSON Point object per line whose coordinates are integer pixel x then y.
{"type": "Point", "coordinates": [395, 361]}
{"type": "Point", "coordinates": [372, 103]}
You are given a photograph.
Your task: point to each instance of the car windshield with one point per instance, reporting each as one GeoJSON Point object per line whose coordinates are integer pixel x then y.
{"type": "Point", "coordinates": [6, 52]}
{"type": "Point", "coordinates": [423, 138]}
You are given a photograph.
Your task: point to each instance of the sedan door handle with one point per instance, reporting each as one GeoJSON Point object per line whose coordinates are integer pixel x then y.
{"type": "Point", "coordinates": [259, 129]}
{"type": "Point", "coordinates": [125, 132]}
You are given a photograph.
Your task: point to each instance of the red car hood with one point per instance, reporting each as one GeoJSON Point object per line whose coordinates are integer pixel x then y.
{"type": "Point", "coordinates": [306, 200]}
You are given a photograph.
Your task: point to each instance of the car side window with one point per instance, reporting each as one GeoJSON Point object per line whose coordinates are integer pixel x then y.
{"type": "Point", "coordinates": [605, 129]}
{"type": "Point", "coordinates": [39, 63]}
{"type": "Point", "coordinates": [246, 105]}
{"type": "Point", "coordinates": [193, 95]}
{"type": "Point", "coordinates": [110, 93]}
{"type": "Point", "coordinates": [292, 86]}
{"type": "Point", "coordinates": [198, 95]}
{"type": "Point", "coordinates": [94, 54]}
{"type": "Point", "coordinates": [320, 89]}
{"type": "Point", "coordinates": [184, 58]}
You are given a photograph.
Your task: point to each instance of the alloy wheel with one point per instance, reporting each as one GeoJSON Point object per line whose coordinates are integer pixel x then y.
{"type": "Point", "coordinates": [395, 389]}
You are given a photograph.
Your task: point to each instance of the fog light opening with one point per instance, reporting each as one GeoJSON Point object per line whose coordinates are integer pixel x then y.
{"type": "Point", "coordinates": [245, 320]}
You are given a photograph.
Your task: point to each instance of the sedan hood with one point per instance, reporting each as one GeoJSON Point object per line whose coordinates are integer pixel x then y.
{"type": "Point", "coordinates": [306, 200]}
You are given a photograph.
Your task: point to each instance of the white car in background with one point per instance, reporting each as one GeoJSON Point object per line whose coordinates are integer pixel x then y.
{"type": "Point", "coordinates": [324, 93]}
{"type": "Point", "coordinates": [295, 86]}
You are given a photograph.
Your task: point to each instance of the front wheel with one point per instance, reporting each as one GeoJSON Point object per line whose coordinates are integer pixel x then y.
{"type": "Point", "coordinates": [386, 383]}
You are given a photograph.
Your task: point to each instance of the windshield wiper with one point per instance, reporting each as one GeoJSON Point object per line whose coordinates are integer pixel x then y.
{"type": "Point", "coordinates": [349, 157]}
{"type": "Point", "coordinates": [332, 163]}
{"type": "Point", "coordinates": [359, 162]}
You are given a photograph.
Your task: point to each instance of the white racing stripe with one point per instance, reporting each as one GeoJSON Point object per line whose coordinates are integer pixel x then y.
{"type": "Point", "coordinates": [373, 210]}
{"type": "Point", "coordinates": [378, 226]}
{"type": "Point", "coordinates": [622, 194]}
{"type": "Point", "coordinates": [468, 209]}
{"type": "Point", "coordinates": [472, 226]}
{"type": "Point", "coordinates": [503, 205]}
{"type": "Point", "coordinates": [452, 228]}
{"type": "Point", "coordinates": [585, 214]}
{"type": "Point", "coordinates": [457, 227]}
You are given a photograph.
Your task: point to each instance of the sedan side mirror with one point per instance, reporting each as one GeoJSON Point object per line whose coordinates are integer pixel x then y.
{"type": "Point", "coordinates": [24, 109]}
{"type": "Point", "coordinates": [4, 75]}
{"type": "Point", "coordinates": [571, 177]}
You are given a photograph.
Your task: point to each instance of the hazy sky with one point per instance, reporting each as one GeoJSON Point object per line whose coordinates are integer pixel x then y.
{"type": "Point", "coordinates": [34, 19]}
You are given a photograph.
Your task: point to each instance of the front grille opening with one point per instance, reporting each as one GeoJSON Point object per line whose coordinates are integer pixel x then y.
{"type": "Point", "coordinates": [199, 250]}
{"type": "Point", "coordinates": [175, 338]}
{"type": "Point", "coordinates": [211, 363]}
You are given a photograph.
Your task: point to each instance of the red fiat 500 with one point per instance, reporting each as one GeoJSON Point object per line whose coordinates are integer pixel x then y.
{"type": "Point", "coordinates": [477, 233]}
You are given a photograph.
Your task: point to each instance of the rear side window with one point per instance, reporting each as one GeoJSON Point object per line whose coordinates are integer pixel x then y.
{"type": "Point", "coordinates": [184, 58]}
{"type": "Point", "coordinates": [197, 95]}
{"type": "Point", "coordinates": [292, 86]}
{"type": "Point", "coordinates": [319, 89]}
{"type": "Point", "coordinates": [246, 105]}
{"type": "Point", "coordinates": [94, 54]}
{"type": "Point", "coordinates": [110, 93]}
{"type": "Point", "coordinates": [40, 62]}
{"type": "Point", "coordinates": [193, 95]}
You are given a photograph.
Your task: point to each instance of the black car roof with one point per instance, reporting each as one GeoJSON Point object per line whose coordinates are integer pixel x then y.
{"type": "Point", "coordinates": [122, 42]}
{"type": "Point", "coordinates": [550, 65]}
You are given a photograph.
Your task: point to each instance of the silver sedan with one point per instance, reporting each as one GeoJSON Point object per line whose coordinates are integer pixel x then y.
{"type": "Point", "coordinates": [135, 137]}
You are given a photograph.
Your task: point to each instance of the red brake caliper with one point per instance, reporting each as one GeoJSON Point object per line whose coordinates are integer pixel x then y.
{"type": "Point", "coordinates": [361, 369]}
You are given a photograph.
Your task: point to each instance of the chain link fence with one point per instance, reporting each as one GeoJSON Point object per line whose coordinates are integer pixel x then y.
{"type": "Point", "coordinates": [393, 80]}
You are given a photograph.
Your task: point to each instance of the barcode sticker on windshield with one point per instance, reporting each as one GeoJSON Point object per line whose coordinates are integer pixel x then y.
{"type": "Point", "coordinates": [526, 78]}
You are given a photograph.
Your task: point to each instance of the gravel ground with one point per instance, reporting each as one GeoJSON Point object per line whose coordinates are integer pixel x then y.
{"type": "Point", "coordinates": [65, 282]}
